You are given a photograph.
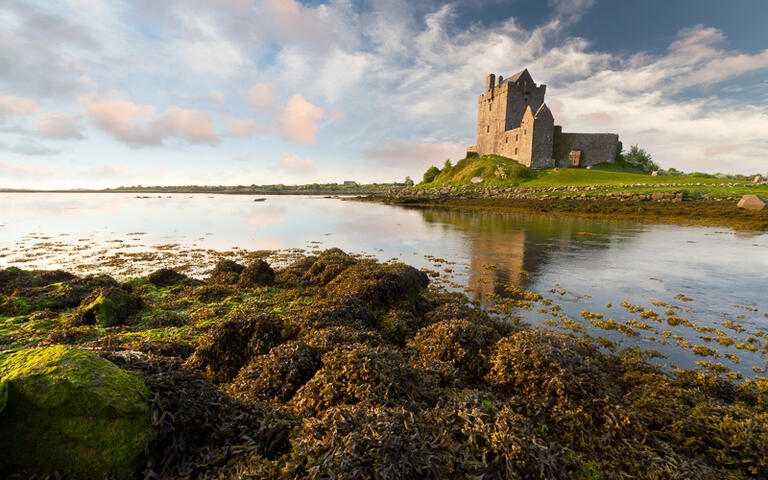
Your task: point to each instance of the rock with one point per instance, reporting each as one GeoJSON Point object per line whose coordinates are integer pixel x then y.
{"type": "Point", "coordinates": [657, 196]}
{"type": "Point", "coordinates": [752, 202]}
{"type": "Point", "coordinates": [655, 173]}
{"type": "Point", "coordinates": [65, 409]}
{"type": "Point", "coordinates": [477, 180]}
{"type": "Point", "coordinates": [166, 277]}
{"type": "Point", "coordinates": [107, 307]}
{"type": "Point", "coordinates": [589, 167]}
{"type": "Point", "coordinates": [226, 272]}
{"type": "Point", "coordinates": [378, 285]}
{"type": "Point", "coordinates": [257, 274]}
{"type": "Point", "coordinates": [757, 179]}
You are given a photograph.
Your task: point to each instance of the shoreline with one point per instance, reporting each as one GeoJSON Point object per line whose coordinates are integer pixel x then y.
{"type": "Point", "coordinates": [672, 207]}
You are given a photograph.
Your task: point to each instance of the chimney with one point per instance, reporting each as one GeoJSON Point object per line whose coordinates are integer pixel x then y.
{"type": "Point", "coordinates": [490, 82]}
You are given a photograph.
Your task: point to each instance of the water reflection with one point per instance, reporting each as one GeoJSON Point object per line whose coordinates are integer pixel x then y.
{"type": "Point", "coordinates": [506, 248]}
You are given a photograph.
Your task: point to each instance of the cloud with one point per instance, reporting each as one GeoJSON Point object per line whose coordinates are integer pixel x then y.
{"type": "Point", "coordinates": [298, 120]}
{"type": "Point", "coordinates": [60, 125]}
{"type": "Point", "coordinates": [217, 96]}
{"type": "Point", "coordinates": [194, 126]}
{"type": "Point", "coordinates": [14, 105]}
{"type": "Point", "coordinates": [131, 123]}
{"type": "Point", "coordinates": [245, 128]}
{"type": "Point", "coordinates": [571, 9]}
{"type": "Point", "coordinates": [206, 50]}
{"type": "Point", "coordinates": [262, 96]}
{"type": "Point", "coordinates": [414, 157]}
{"type": "Point", "coordinates": [29, 148]}
{"type": "Point", "coordinates": [295, 165]}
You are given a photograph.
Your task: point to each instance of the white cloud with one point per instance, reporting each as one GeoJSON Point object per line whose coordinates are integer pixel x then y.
{"type": "Point", "coordinates": [296, 165]}
{"type": "Point", "coordinates": [131, 123]}
{"type": "Point", "coordinates": [60, 125]}
{"type": "Point", "coordinates": [15, 105]}
{"type": "Point", "coordinates": [244, 128]}
{"type": "Point", "coordinates": [412, 158]}
{"type": "Point", "coordinates": [298, 120]}
{"type": "Point", "coordinates": [262, 96]}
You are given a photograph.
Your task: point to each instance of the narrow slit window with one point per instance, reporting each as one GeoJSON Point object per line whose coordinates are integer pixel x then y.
{"type": "Point", "coordinates": [515, 150]}
{"type": "Point", "coordinates": [490, 107]}
{"type": "Point", "coordinates": [506, 140]}
{"type": "Point", "coordinates": [517, 137]}
{"type": "Point", "coordinates": [487, 128]}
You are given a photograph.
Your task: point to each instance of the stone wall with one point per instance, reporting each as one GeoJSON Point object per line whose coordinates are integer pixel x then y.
{"type": "Point", "coordinates": [597, 147]}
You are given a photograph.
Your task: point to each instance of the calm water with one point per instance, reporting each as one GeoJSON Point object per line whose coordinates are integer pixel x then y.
{"type": "Point", "coordinates": [594, 262]}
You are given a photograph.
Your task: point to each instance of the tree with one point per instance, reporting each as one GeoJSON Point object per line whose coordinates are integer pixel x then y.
{"type": "Point", "coordinates": [430, 174]}
{"type": "Point", "coordinates": [408, 181]}
{"type": "Point", "coordinates": [640, 159]}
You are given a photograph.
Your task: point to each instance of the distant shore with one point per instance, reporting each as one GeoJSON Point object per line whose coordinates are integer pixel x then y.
{"type": "Point", "coordinates": [662, 206]}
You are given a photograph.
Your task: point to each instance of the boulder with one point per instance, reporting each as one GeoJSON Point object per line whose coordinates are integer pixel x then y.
{"type": "Point", "coordinates": [257, 274]}
{"type": "Point", "coordinates": [477, 180]}
{"type": "Point", "coordinates": [107, 307]}
{"type": "Point", "coordinates": [226, 272]}
{"type": "Point", "coordinates": [65, 409]}
{"type": "Point", "coordinates": [166, 277]}
{"type": "Point", "coordinates": [758, 179]}
{"type": "Point", "coordinates": [752, 202]}
{"type": "Point", "coordinates": [655, 173]}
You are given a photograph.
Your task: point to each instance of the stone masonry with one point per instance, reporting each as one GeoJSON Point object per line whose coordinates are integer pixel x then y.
{"type": "Point", "coordinates": [513, 121]}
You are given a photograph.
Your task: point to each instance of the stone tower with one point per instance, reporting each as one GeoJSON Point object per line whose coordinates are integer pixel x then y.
{"type": "Point", "coordinates": [513, 121]}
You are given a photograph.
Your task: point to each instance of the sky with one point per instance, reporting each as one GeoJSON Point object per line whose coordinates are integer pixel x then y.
{"type": "Point", "coordinates": [103, 93]}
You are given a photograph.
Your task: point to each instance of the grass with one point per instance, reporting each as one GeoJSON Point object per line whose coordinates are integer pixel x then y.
{"type": "Point", "coordinates": [503, 172]}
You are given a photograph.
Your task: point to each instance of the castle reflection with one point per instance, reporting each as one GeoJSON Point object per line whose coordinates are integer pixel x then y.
{"type": "Point", "coordinates": [511, 248]}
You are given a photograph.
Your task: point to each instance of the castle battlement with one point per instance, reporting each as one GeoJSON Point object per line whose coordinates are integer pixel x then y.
{"type": "Point", "coordinates": [513, 121]}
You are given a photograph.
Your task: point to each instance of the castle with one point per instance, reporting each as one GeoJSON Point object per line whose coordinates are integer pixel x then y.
{"type": "Point", "coordinates": [513, 121]}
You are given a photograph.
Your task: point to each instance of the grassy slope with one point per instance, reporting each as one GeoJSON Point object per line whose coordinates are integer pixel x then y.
{"type": "Point", "coordinates": [603, 174]}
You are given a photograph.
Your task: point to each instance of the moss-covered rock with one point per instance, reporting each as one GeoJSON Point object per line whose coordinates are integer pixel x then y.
{"type": "Point", "coordinates": [277, 375]}
{"type": "Point", "coordinates": [378, 285]}
{"type": "Point", "coordinates": [362, 374]}
{"type": "Point", "coordinates": [165, 277]}
{"type": "Point", "coordinates": [71, 411]}
{"type": "Point", "coordinates": [107, 307]}
{"type": "Point", "coordinates": [257, 274]}
{"type": "Point", "coordinates": [226, 272]}
{"type": "Point", "coordinates": [230, 345]}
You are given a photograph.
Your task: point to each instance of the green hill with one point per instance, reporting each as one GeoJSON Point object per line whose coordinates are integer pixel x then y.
{"type": "Point", "coordinates": [504, 172]}
{"type": "Point", "coordinates": [491, 168]}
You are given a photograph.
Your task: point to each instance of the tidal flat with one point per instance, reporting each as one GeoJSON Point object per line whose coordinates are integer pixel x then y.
{"type": "Point", "coordinates": [339, 365]}
{"type": "Point", "coordinates": [517, 346]}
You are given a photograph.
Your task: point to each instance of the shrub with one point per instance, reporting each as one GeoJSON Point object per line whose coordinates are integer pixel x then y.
{"type": "Point", "coordinates": [430, 174]}
{"type": "Point", "coordinates": [639, 159]}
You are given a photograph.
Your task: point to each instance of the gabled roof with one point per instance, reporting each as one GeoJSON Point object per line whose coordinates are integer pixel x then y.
{"type": "Point", "coordinates": [544, 112]}
{"type": "Point", "coordinates": [520, 77]}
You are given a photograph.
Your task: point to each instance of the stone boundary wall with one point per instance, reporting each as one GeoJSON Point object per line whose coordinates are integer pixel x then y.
{"type": "Point", "coordinates": [512, 193]}
{"type": "Point", "coordinates": [597, 147]}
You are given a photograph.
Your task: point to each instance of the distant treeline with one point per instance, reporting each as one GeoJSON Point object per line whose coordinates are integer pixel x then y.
{"type": "Point", "coordinates": [311, 188]}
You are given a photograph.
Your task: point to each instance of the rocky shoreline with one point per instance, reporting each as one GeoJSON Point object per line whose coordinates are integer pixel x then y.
{"type": "Point", "coordinates": [337, 366]}
{"type": "Point", "coordinates": [677, 206]}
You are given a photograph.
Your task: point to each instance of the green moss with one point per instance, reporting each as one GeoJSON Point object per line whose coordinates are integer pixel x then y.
{"type": "Point", "coordinates": [70, 410]}
{"type": "Point", "coordinates": [108, 307]}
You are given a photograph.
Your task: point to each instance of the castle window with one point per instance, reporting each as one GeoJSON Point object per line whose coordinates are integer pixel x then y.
{"type": "Point", "coordinates": [490, 107]}
{"type": "Point", "coordinates": [487, 128]}
{"type": "Point", "coordinates": [525, 132]}
{"type": "Point", "coordinates": [515, 150]}
{"type": "Point", "coordinates": [517, 137]}
{"type": "Point", "coordinates": [506, 140]}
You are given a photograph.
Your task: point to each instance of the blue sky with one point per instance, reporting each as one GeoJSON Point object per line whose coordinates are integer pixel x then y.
{"type": "Point", "coordinates": [97, 93]}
